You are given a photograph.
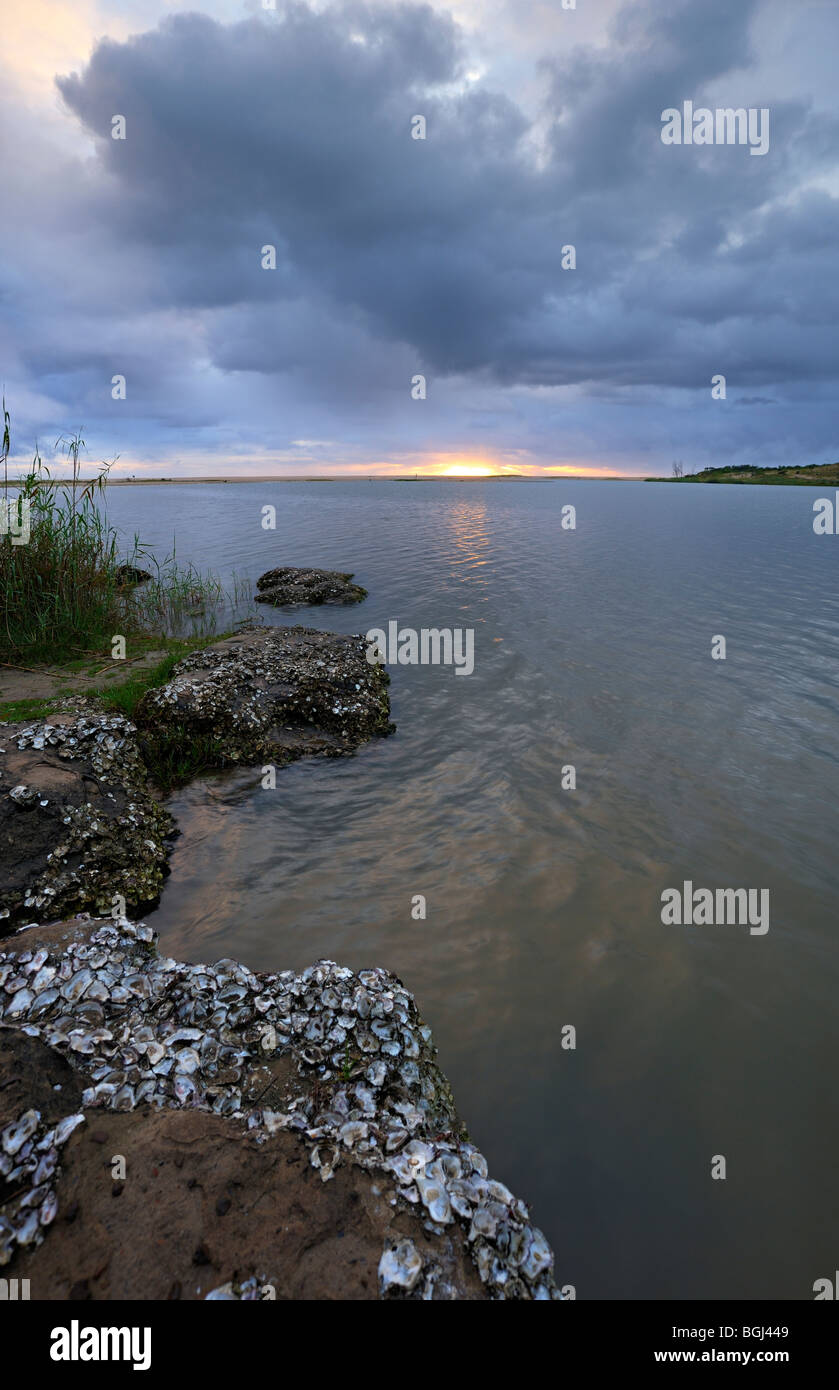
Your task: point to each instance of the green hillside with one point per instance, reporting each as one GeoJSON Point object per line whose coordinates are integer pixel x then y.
{"type": "Point", "coordinates": [814, 475]}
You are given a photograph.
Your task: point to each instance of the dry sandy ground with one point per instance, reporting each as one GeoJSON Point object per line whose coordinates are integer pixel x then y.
{"type": "Point", "coordinates": [202, 1202]}
{"type": "Point", "coordinates": [44, 683]}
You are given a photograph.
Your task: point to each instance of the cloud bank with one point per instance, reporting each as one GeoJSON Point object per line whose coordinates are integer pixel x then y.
{"type": "Point", "coordinates": [442, 257]}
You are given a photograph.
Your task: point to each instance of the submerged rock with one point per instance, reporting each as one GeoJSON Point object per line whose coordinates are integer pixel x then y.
{"type": "Point", "coordinates": [79, 826]}
{"type": "Point", "coordinates": [254, 1081]}
{"type": "Point", "coordinates": [129, 575]}
{"type": "Point", "coordinates": [291, 586]}
{"type": "Point", "coordinates": [274, 693]}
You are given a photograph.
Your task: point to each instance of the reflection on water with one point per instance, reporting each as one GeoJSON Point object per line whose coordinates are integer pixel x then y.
{"type": "Point", "coordinates": [466, 537]}
{"type": "Point", "coordinates": [592, 649]}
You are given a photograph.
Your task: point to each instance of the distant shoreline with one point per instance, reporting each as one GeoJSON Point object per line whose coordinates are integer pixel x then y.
{"type": "Point", "coordinates": [815, 475]}
{"type": "Point", "coordinates": [353, 478]}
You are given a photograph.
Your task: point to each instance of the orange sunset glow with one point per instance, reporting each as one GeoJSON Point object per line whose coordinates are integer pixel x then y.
{"type": "Point", "coordinates": [468, 470]}
{"type": "Point", "coordinates": [442, 466]}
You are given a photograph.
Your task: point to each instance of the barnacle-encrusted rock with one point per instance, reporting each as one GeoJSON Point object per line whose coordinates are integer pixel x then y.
{"type": "Point", "coordinates": [78, 823]}
{"type": "Point", "coordinates": [275, 693]}
{"type": "Point", "coordinates": [290, 586]}
{"type": "Point", "coordinates": [331, 1066]}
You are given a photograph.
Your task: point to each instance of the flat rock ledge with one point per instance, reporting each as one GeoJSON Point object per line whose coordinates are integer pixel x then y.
{"type": "Point", "coordinates": [285, 586]}
{"type": "Point", "coordinates": [276, 693]}
{"type": "Point", "coordinates": [283, 1136]}
{"type": "Point", "coordinates": [78, 822]}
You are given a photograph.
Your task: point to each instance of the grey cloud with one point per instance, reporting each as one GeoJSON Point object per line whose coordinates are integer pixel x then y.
{"type": "Point", "coordinates": [441, 256]}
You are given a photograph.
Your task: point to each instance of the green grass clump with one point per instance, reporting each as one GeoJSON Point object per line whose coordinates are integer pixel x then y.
{"type": "Point", "coordinates": [62, 592]}
{"type": "Point", "coordinates": [59, 591]}
{"type": "Point", "coordinates": [17, 710]}
{"type": "Point", "coordinates": [174, 755]}
{"type": "Point", "coordinates": [125, 697]}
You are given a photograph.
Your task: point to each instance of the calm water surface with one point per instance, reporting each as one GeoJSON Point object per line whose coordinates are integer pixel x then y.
{"type": "Point", "coordinates": [592, 648]}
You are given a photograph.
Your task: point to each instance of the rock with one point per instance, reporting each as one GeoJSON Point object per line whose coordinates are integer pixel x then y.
{"type": "Point", "coordinates": [270, 693]}
{"type": "Point", "coordinates": [290, 586]}
{"type": "Point", "coordinates": [285, 1233]}
{"type": "Point", "coordinates": [35, 1076]}
{"type": "Point", "coordinates": [129, 575]}
{"type": "Point", "coordinates": [267, 1171]}
{"type": "Point", "coordinates": [78, 822]}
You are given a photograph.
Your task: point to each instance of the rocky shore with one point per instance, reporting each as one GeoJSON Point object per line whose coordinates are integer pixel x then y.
{"type": "Point", "coordinates": [272, 693]}
{"type": "Point", "coordinates": [174, 1130]}
{"type": "Point", "coordinates": [81, 824]}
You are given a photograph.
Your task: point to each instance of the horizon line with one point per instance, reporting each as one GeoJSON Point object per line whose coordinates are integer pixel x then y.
{"type": "Point", "coordinates": [358, 477]}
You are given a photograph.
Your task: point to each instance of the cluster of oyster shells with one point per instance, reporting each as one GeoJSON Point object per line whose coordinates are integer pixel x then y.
{"type": "Point", "coordinates": [107, 741]}
{"type": "Point", "coordinates": [99, 851]}
{"type": "Point", "coordinates": [29, 1161]}
{"type": "Point", "coordinates": [146, 1029]}
{"type": "Point", "coordinates": [253, 1290]}
{"type": "Point", "coordinates": [287, 586]}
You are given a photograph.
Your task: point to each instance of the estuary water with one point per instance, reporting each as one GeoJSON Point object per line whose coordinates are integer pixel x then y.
{"type": "Point", "coordinates": [593, 650]}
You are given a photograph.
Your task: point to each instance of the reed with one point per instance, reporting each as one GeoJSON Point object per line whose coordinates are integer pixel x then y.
{"type": "Point", "coordinates": [63, 592]}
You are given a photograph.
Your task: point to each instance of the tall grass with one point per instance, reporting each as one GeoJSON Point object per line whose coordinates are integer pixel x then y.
{"type": "Point", "coordinates": [62, 593]}
{"type": "Point", "coordinates": [175, 596]}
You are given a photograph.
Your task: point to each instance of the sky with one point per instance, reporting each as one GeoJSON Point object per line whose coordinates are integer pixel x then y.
{"type": "Point", "coordinates": [397, 258]}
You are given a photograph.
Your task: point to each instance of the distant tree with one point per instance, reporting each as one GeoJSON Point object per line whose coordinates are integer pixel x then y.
{"type": "Point", "coordinates": [678, 469]}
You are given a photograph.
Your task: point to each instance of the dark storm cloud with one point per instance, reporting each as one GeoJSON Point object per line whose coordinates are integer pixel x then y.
{"type": "Point", "coordinates": [441, 255]}
{"type": "Point", "coordinates": [296, 133]}
{"type": "Point", "coordinates": [299, 136]}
